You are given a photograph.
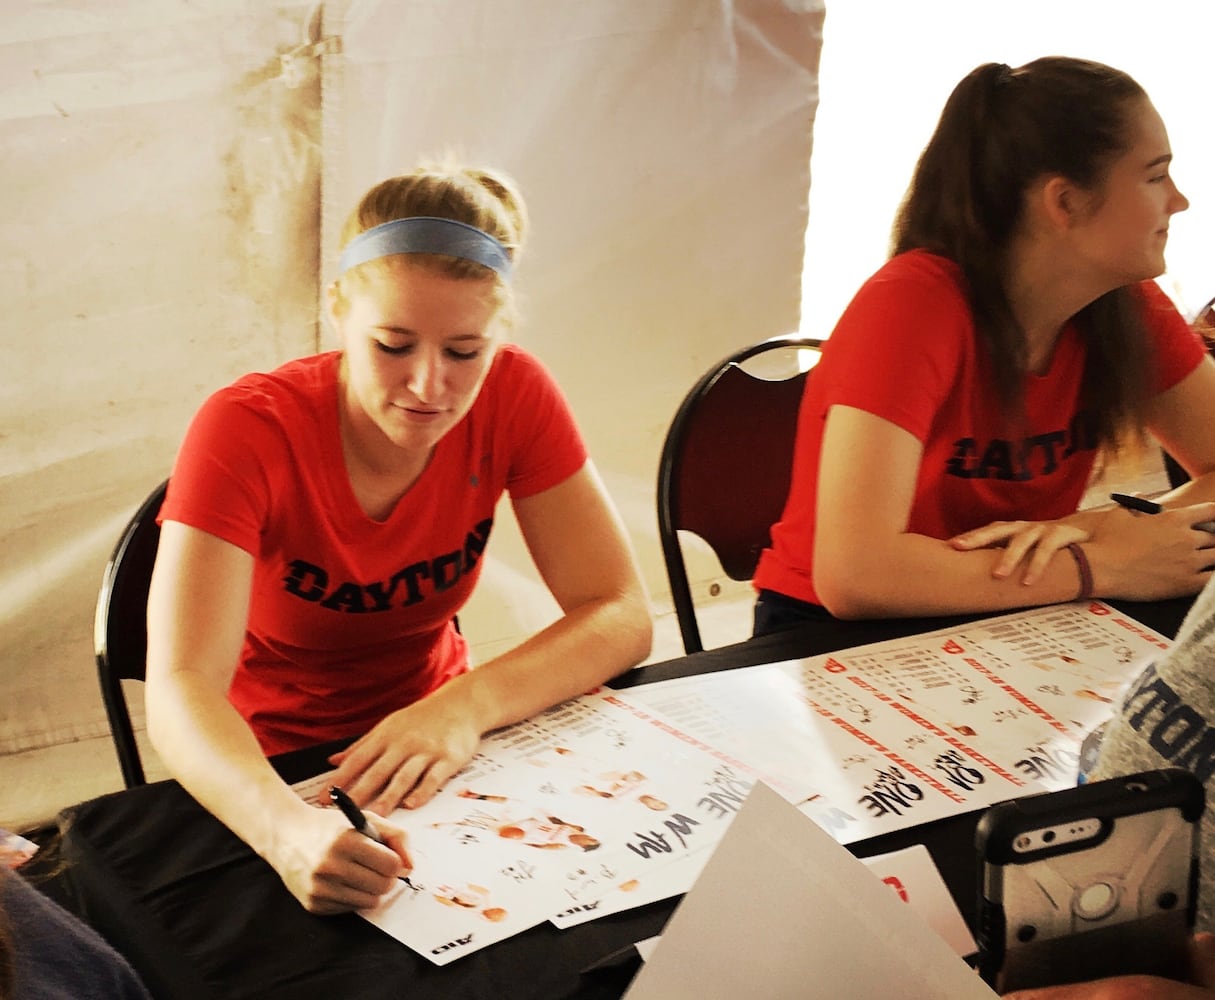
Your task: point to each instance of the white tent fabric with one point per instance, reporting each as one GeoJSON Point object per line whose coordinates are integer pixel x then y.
{"type": "Point", "coordinates": [161, 192]}
{"type": "Point", "coordinates": [174, 179]}
{"type": "Point", "coordinates": [663, 149]}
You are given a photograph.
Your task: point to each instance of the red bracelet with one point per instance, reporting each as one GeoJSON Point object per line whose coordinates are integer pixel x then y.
{"type": "Point", "coordinates": [1086, 571]}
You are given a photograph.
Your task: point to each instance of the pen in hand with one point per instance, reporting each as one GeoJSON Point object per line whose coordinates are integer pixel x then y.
{"type": "Point", "coordinates": [1131, 502]}
{"type": "Point", "coordinates": [1145, 506]}
{"type": "Point", "coordinates": [360, 822]}
{"type": "Point", "coordinates": [353, 813]}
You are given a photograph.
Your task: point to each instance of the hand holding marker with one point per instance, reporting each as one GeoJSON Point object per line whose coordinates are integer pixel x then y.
{"type": "Point", "coordinates": [1152, 507]}
{"type": "Point", "coordinates": [353, 813]}
{"type": "Point", "coordinates": [360, 822]}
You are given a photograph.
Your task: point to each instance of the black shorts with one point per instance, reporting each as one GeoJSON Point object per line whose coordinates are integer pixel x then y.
{"type": "Point", "coordinates": [775, 612]}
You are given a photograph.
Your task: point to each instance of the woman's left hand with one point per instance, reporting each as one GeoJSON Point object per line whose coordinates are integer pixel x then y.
{"type": "Point", "coordinates": [1032, 543]}
{"type": "Point", "coordinates": [411, 754]}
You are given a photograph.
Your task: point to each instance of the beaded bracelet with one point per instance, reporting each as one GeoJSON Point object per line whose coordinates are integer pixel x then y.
{"type": "Point", "coordinates": [1086, 571]}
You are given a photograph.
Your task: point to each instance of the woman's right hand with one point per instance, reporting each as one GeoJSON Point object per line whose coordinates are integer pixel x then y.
{"type": "Point", "coordinates": [332, 868]}
{"type": "Point", "coordinates": [1147, 557]}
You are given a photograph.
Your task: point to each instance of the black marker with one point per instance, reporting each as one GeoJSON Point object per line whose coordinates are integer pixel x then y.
{"type": "Point", "coordinates": [1152, 507]}
{"type": "Point", "coordinates": [361, 823]}
{"type": "Point", "coordinates": [354, 814]}
{"type": "Point", "coordinates": [1136, 503]}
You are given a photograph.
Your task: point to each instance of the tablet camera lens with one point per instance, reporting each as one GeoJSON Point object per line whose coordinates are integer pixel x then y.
{"type": "Point", "coordinates": [1166, 900]}
{"type": "Point", "coordinates": [1026, 932]}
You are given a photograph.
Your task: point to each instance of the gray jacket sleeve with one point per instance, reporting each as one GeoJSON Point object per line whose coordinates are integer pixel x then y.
{"type": "Point", "coordinates": [1165, 718]}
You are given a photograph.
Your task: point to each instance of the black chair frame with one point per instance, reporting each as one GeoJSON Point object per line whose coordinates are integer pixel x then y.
{"type": "Point", "coordinates": [1204, 322]}
{"type": "Point", "coordinates": [753, 442]}
{"type": "Point", "coordinates": [120, 635]}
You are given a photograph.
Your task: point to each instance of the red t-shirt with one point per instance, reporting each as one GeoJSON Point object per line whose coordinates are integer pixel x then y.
{"type": "Point", "coordinates": [906, 350]}
{"type": "Point", "coordinates": [351, 618]}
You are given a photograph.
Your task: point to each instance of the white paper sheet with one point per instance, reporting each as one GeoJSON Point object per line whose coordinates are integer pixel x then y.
{"type": "Point", "coordinates": [781, 910]}
{"type": "Point", "coordinates": [912, 876]}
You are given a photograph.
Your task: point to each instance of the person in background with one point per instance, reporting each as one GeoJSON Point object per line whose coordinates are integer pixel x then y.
{"type": "Point", "coordinates": [325, 522]}
{"type": "Point", "coordinates": [1012, 346]}
{"type": "Point", "coordinates": [46, 953]}
{"type": "Point", "coordinates": [1164, 719]}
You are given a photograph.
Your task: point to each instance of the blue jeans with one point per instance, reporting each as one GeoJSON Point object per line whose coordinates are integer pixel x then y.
{"type": "Point", "coordinates": [775, 612]}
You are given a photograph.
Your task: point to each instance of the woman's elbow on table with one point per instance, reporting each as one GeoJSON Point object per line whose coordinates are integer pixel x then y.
{"type": "Point", "coordinates": [624, 627]}
{"type": "Point", "coordinates": [848, 588]}
{"type": "Point", "coordinates": [841, 595]}
{"type": "Point", "coordinates": [636, 629]}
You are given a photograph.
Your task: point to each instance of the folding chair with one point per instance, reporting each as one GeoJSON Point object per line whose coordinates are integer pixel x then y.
{"type": "Point", "coordinates": [725, 468]}
{"type": "Point", "coordinates": [1204, 323]}
{"type": "Point", "coordinates": [120, 632]}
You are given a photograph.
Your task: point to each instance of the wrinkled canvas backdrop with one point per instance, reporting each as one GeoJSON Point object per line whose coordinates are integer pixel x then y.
{"type": "Point", "coordinates": [174, 179]}
{"type": "Point", "coordinates": [663, 149]}
{"type": "Point", "coordinates": [159, 224]}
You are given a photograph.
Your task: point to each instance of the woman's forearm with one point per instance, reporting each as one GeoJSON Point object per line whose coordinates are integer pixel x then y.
{"type": "Point", "coordinates": [211, 751]}
{"type": "Point", "coordinates": [917, 576]}
{"type": "Point", "coordinates": [581, 650]}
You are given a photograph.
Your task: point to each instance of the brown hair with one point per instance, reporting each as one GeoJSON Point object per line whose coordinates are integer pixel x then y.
{"type": "Point", "coordinates": [1001, 130]}
{"type": "Point", "coordinates": [477, 196]}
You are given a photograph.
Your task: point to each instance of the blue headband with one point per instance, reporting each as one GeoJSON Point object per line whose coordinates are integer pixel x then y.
{"type": "Point", "coordinates": [426, 234]}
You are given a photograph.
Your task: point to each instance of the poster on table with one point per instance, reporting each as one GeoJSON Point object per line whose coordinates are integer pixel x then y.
{"type": "Point", "coordinates": [591, 798]}
{"type": "Point", "coordinates": [616, 799]}
{"type": "Point", "coordinates": [907, 731]}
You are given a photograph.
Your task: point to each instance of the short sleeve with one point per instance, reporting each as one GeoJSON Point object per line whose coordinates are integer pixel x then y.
{"type": "Point", "coordinates": [1178, 347]}
{"type": "Point", "coordinates": [899, 345]}
{"type": "Point", "coordinates": [219, 483]}
{"type": "Point", "coordinates": [536, 425]}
